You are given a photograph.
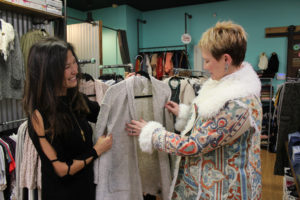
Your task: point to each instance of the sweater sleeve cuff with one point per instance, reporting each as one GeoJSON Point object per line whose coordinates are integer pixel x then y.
{"type": "Point", "coordinates": [145, 138]}
{"type": "Point", "coordinates": [182, 118]}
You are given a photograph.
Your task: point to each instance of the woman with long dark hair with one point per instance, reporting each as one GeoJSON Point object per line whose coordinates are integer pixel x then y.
{"type": "Point", "coordinates": [58, 125]}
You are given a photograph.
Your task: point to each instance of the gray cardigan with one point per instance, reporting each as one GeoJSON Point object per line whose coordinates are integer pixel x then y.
{"type": "Point", "coordinates": [12, 73]}
{"type": "Point", "coordinates": [116, 171]}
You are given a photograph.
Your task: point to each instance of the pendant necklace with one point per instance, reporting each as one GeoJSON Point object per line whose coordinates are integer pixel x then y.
{"type": "Point", "coordinates": [81, 131]}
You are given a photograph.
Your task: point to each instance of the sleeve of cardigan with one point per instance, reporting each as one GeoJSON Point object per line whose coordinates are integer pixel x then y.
{"type": "Point", "coordinates": [231, 122]}
{"type": "Point", "coordinates": [101, 129]}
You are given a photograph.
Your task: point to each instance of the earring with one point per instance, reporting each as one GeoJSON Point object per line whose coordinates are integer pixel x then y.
{"type": "Point", "coordinates": [226, 67]}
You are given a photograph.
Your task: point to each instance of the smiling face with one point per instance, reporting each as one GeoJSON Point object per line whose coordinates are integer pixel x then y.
{"type": "Point", "coordinates": [213, 66]}
{"type": "Point", "coordinates": [71, 70]}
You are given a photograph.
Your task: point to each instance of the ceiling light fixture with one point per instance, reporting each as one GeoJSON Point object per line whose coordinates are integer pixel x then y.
{"type": "Point", "coordinates": [114, 5]}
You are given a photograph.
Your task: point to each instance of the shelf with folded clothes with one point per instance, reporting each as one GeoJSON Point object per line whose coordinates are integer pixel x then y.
{"type": "Point", "coordinates": [294, 174]}
{"type": "Point", "coordinates": [266, 100]}
{"type": "Point", "coordinates": [6, 5]}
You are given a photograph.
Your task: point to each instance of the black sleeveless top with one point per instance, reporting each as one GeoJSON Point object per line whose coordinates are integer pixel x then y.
{"type": "Point", "coordinates": [69, 146]}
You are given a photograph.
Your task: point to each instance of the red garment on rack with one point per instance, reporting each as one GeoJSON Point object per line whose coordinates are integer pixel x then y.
{"type": "Point", "coordinates": [159, 67]}
{"type": "Point", "coordinates": [169, 62]}
{"type": "Point", "coordinates": [137, 65]}
{"type": "Point", "coordinates": [12, 164]}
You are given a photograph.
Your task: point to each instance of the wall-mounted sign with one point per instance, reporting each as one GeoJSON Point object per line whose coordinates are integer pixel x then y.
{"type": "Point", "coordinates": [186, 38]}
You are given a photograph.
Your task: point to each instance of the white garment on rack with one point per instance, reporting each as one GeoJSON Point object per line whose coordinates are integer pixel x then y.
{"type": "Point", "coordinates": [198, 62]}
{"type": "Point", "coordinates": [18, 192]}
{"type": "Point", "coordinates": [3, 181]}
{"type": "Point", "coordinates": [7, 36]}
{"type": "Point", "coordinates": [263, 61]}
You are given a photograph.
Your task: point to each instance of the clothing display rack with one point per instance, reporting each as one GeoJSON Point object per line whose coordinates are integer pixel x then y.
{"type": "Point", "coordinates": [266, 99]}
{"type": "Point", "coordinates": [165, 48]}
{"type": "Point", "coordinates": [128, 68]}
{"type": "Point", "coordinates": [177, 70]}
{"type": "Point", "coordinates": [186, 15]}
{"type": "Point", "coordinates": [13, 121]}
{"type": "Point", "coordinates": [24, 19]}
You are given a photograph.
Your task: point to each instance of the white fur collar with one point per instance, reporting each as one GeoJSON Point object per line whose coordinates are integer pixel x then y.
{"type": "Point", "coordinates": [214, 94]}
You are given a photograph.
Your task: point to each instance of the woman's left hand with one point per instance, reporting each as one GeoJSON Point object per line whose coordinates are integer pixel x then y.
{"type": "Point", "coordinates": [135, 127]}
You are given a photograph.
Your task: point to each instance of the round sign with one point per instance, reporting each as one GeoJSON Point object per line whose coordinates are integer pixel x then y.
{"type": "Point", "coordinates": [296, 47]}
{"type": "Point", "coordinates": [186, 38]}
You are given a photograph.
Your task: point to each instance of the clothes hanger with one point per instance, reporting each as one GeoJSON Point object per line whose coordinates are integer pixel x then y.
{"type": "Point", "coordinates": [145, 74]}
{"type": "Point", "coordinates": [87, 77]}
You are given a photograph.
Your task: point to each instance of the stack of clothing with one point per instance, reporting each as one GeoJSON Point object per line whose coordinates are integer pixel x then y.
{"type": "Point", "coordinates": [54, 6]}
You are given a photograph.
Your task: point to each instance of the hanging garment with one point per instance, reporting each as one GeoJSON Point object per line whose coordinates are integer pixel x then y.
{"type": "Point", "coordinates": [18, 192]}
{"type": "Point", "coordinates": [169, 63]}
{"type": "Point", "coordinates": [183, 90]}
{"type": "Point", "coordinates": [198, 61]}
{"type": "Point", "coordinates": [7, 37]}
{"type": "Point", "coordinates": [30, 168]}
{"type": "Point", "coordinates": [144, 66]}
{"type": "Point", "coordinates": [183, 62]}
{"type": "Point", "coordinates": [138, 63]}
{"type": "Point", "coordinates": [288, 121]}
{"type": "Point", "coordinates": [197, 83]}
{"type": "Point", "coordinates": [153, 64]}
{"type": "Point", "coordinates": [273, 66]}
{"type": "Point", "coordinates": [94, 90]}
{"type": "Point", "coordinates": [159, 67]}
{"type": "Point", "coordinates": [117, 173]}
{"type": "Point", "coordinates": [263, 61]}
{"type": "Point", "coordinates": [149, 68]}
{"type": "Point", "coordinates": [29, 39]}
{"type": "Point", "coordinates": [12, 74]}
{"type": "Point", "coordinates": [3, 181]}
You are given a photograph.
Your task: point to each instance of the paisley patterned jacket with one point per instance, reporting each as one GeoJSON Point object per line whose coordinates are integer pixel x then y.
{"type": "Point", "coordinates": [219, 146]}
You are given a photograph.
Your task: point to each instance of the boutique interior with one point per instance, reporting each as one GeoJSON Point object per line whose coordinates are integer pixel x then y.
{"type": "Point", "coordinates": [157, 39]}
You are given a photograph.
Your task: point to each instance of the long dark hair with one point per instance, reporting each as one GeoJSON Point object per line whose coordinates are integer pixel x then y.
{"type": "Point", "coordinates": [44, 81]}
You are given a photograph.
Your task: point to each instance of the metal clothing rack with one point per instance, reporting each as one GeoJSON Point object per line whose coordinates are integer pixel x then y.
{"type": "Point", "coordinates": [13, 121]}
{"type": "Point", "coordinates": [186, 16]}
{"type": "Point", "coordinates": [177, 70]}
{"type": "Point", "coordinates": [128, 68]}
{"type": "Point", "coordinates": [173, 47]}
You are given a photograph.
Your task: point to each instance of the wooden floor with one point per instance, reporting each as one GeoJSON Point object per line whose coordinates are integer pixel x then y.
{"type": "Point", "coordinates": [271, 184]}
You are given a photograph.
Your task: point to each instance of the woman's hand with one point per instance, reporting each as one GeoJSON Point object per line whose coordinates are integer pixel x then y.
{"type": "Point", "coordinates": [172, 107]}
{"type": "Point", "coordinates": [38, 123]}
{"type": "Point", "coordinates": [134, 128]}
{"type": "Point", "coordinates": [103, 144]}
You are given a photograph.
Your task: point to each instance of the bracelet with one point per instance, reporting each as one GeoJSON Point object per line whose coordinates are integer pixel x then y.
{"type": "Point", "coordinates": [84, 161]}
{"type": "Point", "coordinates": [41, 136]}
{"type": "Point", "coordinates": [69, 167]}
{"type": "Point", "coordinates": [52, 161]}
{"type": "Point", "coordinates": [94, 154]}
{"type": "Point", "coordinates": [69, 163]}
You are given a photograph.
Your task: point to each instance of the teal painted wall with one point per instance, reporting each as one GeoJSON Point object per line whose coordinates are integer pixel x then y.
{"type": "Point", "coordinates": [75, 13]}
{"type": "Point", "coordinates": [165, 27]}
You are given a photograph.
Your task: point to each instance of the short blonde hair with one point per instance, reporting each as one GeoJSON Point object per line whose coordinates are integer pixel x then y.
{"type": "Point", "coordinates": [225, 37]}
